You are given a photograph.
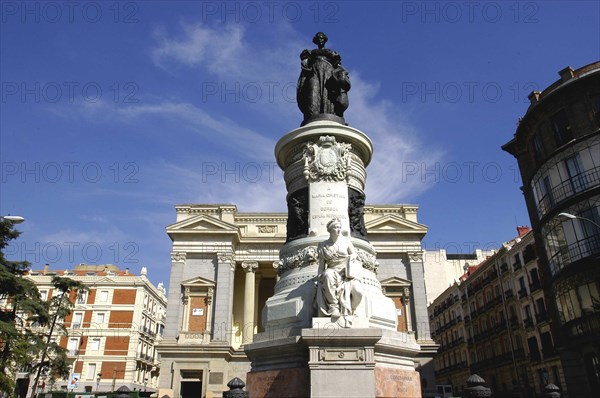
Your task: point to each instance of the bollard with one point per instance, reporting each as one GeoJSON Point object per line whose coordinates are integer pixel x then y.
{"type": "Point", "coordinates": [476, 389]}
{"type": "Point", "coordinates": [551, 391]}
{"type": "Point", "coordinates": [123, 392]}
{"type": "Point", "coordinates": [236, 389]}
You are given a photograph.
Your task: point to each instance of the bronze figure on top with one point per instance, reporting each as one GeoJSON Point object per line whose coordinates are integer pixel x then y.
{"type": "Point", "coordinates": [323, 86]}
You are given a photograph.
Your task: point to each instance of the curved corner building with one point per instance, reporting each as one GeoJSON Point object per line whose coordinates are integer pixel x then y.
{"type": "Point", "coordinates": [557, 146]}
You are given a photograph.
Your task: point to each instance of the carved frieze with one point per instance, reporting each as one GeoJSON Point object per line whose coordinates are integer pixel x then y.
{"type": "Point", "coordinates": [327, 160]}
{"type": "Point", "coordinates": [267, 229]}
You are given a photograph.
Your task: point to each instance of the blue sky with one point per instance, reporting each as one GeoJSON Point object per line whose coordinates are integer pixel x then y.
{"type": "Point", "coordinates": [113, 112]}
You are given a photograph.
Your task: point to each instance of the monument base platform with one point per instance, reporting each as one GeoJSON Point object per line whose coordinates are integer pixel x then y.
{"type": "Point", "coordinates": [335, 362]}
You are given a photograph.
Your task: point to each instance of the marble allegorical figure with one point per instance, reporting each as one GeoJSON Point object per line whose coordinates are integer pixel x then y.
{"type": "Point", "coordinates": [323, 85]}
{"type": "Point", "coordinates": [338, 293]}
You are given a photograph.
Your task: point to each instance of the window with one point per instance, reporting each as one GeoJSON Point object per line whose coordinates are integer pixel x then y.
{"type": "Point", "coordinates": [562, 128]}
{"type": "Point", "coordinates": [538, 150]}
{"type": "Point", "coordinates": [103, 296]}
{"type": "Point", "coordinates": [82, 297]}
{"type": "Point", "coordinates": [591, 231]}
{"type": "Point", "coordinates": [44, 295]}
{"type": "Point", "coordinates": [573, 166]}
{"type": "Point", "coordinates": [94, 344]}
{"type": "Point", "coordinates": [77, 319]}
{"type": "Point", "coordinates": [100, 318]}
{"type": "Point", "coordinates": [72, 346]}
{"type": "Point", "coordinates": [91, 371]}
{"type": "Point", "coordinates": [547, 200]}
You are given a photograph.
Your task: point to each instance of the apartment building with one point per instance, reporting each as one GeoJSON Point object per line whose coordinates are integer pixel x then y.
{"type": "Point", "coordinates": [557, 146]}
{"type": "Point", "coordinates": [494, 322]}
{"type": "Point", "coordinates": [112, 330]}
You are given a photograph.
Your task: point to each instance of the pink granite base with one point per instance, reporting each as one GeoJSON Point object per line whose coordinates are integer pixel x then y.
{"type": "Point", "coordinates": [397, 383]}
{"type": "Point", "coordinates": [292, 383]}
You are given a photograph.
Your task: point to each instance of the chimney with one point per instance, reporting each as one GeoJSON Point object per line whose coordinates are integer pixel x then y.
{"type": "Point", "coordinates": [46, 266]}
{"type": "Point", "coordinates": [126, 271]}
{"type": "Point", "coordinates": [522, 230]}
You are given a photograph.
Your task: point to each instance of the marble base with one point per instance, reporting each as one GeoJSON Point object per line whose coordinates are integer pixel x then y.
{"type": "Point", "coordinates": [291, 383]}
{"type": "Point", "coordinates": [328, 360]}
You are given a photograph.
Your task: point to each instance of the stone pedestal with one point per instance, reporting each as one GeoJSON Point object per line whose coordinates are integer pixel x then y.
{"type": "Point", "coordinates": [329, 361]}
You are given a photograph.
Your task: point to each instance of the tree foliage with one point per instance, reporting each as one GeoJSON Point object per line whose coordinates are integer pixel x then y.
{"type": "Point", "coordinates": [27, 322]}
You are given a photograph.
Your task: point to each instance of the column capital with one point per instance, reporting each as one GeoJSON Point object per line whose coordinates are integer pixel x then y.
{"type": "Point", "coordinates": [178, 257]}
{"type": "Point", "coordinates": [250, 266]}
{"type": "Point", "coordinates": [415, 257]}
{"type": "Point", "coordinates": [226, 258]}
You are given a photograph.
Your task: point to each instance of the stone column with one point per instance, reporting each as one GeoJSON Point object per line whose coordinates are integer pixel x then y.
{"type": "Point", "coordinates": [407, 311]}
{"type": "Point", "coordinates": [222, 325]}
{"type": "Point", "coordinates": [174, 316]}
{"type": "Point", "coordinates": [419, 304]}
{"type": "Point", "coordinates": [249, 289]}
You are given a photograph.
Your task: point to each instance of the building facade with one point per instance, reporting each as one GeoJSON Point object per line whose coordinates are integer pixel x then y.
{"type": "Point", "coordinates": [443, 269]}
{"type": "Point", "coordinates": [557, 146]}
{"type": "Point", "coordinates": [494, 323]}
{"type": "Point", "coordinates": [112, 331]}
{"type": "Point", "coordinates": [224, 267]}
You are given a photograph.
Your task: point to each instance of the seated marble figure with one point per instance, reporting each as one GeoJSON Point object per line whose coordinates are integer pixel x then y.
{"type": "Point", "coordinates": [338, 293]}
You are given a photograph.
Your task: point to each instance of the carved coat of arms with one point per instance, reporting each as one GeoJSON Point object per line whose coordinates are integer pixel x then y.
{"type": "Point", "coordinates": [326, 161]}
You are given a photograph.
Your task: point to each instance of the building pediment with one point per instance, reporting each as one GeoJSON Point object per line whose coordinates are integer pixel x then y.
{"type": "Point", "coordinates": [202, 224]}
{"type": "Point", "coordinates": [198, 282]}
{"type": "Point", "coordinates": [393, 224]}
{"type": "Point", "coordinates": [396, 282]}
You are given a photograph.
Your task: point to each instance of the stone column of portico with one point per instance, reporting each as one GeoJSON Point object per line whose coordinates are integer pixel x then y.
{"type": "Point", "coordinates": [249, 292]}
{"type": "Point", "coordinates": [407, 312]}
{"type": "Point", "coordinates": [223, 312]}
{"type": "Point", "coordinates": [420, 319]}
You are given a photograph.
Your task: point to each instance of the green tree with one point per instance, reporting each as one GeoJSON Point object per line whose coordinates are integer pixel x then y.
{"type": "Point", "coordinates": [27, 323]}
{"type": "Point", "coordinates": [53, 359]}
{"type": "Point", "coordinates": [22, 308]}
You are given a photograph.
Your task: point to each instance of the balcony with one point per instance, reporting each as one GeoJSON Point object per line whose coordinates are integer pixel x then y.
{"type": "Point", "coordinates": [522, 292]}
{"type": "Point", "coordinates": [528, 322]}
{"type": "Point", "coordinates": [517, 265]}
{"type": "Point", "coordinates": [72, 353]}
{"type": "Point", "coordinates": [579, 183]}
{"type": "Point", "coordinates": [508, 294]}
{"type": "Point", "coordinates": [504, 268]}
{"type": "Point", "coordinates": [568, 254]}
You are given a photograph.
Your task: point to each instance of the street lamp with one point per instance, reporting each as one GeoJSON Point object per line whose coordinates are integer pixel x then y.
{"type": "Point", "coordinates": [12, 219]}
{"type": "Point", "coordinates": [98, 377]}
{"type": "Point", "coordinates": [574, 217]}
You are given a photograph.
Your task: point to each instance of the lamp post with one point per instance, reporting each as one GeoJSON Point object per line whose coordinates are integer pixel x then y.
{"type": "Point", "coordinates": [574, 217]}
{"type": "Point", "coordinates": [98, 377]}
